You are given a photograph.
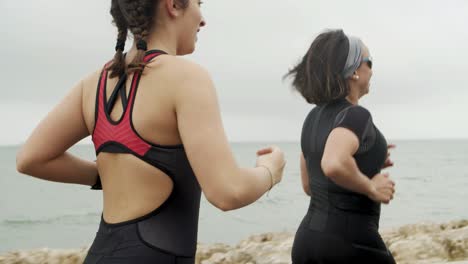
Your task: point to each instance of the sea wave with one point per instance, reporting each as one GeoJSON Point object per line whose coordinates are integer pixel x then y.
{"type": "Point", "coordinates": [78, 218]}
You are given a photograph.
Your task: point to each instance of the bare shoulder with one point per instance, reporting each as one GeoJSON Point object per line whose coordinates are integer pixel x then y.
{"type": "Point", "coordinates": [181, 64]}
{"type": "Point", "coordinates": [90, 81]}
{"type": "Point", "coordinates": [181, 71]}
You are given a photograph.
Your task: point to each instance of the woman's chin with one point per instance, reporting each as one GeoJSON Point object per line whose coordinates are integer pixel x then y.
{"type": "Point", "coordinates": [186, 51]}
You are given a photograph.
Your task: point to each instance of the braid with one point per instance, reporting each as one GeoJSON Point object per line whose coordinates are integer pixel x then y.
{"type": "Point", "coordinates": [139, 15]}
{"type": "Point", "coordinates": [118, 67]}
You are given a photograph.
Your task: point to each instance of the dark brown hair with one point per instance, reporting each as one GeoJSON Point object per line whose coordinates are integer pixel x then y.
{"type": "Point", "coordinates": [136, 16]}
{"type": "Point", "coordinates": [318, 76]}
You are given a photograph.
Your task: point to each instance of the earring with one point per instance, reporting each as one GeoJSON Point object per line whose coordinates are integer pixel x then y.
{"type": "Point", "coordinates": [356, 77]}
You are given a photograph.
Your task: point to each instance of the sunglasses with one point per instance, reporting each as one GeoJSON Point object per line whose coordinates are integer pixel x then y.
{"type": "Point", "coordinates": [368, 60]}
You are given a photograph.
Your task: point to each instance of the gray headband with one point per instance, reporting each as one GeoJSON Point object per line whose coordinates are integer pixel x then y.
{"type": "Point", "coordinates": [354, 57]}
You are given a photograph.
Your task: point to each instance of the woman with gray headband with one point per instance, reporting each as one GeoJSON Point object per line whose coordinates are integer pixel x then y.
{"type": "Point", "coordinates": [343, 154]}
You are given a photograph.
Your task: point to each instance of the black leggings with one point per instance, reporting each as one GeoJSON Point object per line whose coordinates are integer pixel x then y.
{"type": "Point", "coordinates": [344, 240]}
{"type": "Point", "coordinates": [123, 245]}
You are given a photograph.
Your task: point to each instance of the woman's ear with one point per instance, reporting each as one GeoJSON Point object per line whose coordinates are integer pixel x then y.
{"type": "Point", "coordinates": [355, 76]}
{"type": "Point", "coordinates": [172, 8]}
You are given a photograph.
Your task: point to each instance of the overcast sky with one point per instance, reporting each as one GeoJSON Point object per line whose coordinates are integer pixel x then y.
{"type": "Point", "coordinates": [420, 48]}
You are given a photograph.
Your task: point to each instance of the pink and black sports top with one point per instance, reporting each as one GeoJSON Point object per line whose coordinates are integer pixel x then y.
{"type": "Point", "coordinates": [173, 226]}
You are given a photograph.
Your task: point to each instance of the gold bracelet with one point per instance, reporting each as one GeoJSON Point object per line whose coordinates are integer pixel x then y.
{"type": "Point", "coordinates": [271, 176]}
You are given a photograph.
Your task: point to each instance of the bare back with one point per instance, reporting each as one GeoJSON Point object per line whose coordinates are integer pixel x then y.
{"type": "Point", "coordinates": [131, 187]}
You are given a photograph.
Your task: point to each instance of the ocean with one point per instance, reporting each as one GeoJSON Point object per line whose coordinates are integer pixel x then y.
{"type": "Point", "coordinates": [431, 185]}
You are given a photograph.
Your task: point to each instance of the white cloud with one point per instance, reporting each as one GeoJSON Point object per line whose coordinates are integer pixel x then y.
{"type": "Point", "coordinates": [419, 50]}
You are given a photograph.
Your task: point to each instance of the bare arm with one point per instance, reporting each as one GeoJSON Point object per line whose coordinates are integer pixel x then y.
{"type": "Point", "coordinates": [339, 165]}
{"type": "Point", "coordinates": [304, 176]}
{"type": "Point", "coordinates": [44, 153]}
{"type": "Point", "coordinates": [225, 184]}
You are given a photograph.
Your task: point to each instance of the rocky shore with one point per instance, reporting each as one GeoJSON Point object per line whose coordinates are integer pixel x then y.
{"type": "Point", "coordinates": [421, 243]}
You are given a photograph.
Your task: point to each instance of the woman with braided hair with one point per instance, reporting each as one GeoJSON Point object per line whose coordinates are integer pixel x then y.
{"type": "Point", "coordinates": [159, 140]}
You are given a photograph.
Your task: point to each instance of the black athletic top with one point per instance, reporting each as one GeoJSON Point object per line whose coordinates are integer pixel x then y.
{"type": "Point", "coordinates": [370, 157]}
{"type": "Point", "coordinates": [173, 226]}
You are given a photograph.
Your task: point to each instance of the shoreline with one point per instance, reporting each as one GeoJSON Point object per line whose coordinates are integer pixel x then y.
{"type": "Point", "coordinates": [420, 243]}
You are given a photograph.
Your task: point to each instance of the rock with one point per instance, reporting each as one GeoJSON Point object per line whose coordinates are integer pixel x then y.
{"type": "Point", "coordinates": [43, 256]}
{"type": "Point", "coordinates": [422, 243]}
{"type": "Point", "coordinates": [429, 242]}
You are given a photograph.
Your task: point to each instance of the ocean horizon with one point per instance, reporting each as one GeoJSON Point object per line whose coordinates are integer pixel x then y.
{"type": "Point", "coordinates": [431, 185]}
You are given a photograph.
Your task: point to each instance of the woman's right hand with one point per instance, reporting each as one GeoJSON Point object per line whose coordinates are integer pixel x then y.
{"type": "Point", "coordinates": [382, 189]}
{"type": "Point", "coordinates": [273, 159]}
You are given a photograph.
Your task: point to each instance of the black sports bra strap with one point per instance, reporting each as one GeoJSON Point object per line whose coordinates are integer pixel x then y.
{"type": "Point", "coordinates": [123, 96]}
{"type": "Point", "coordinates": [120, 86]}
{"type": "Point", "coordinates": [150, 55]}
